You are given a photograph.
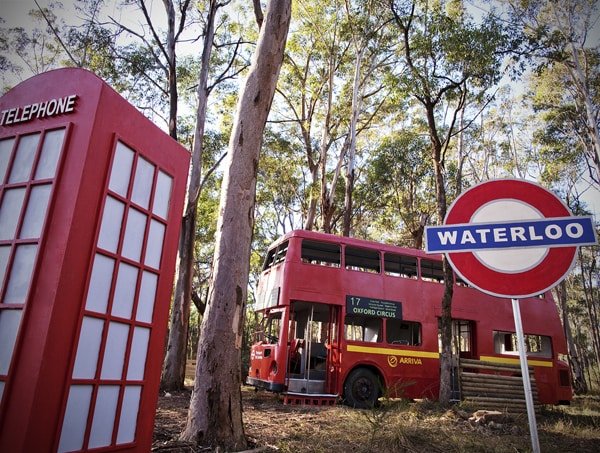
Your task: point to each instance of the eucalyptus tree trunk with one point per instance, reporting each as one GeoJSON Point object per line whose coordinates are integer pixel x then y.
{"type": "Point", "coordinates": [357, 94]}
{"type": "Point", "coordinates": [172, 66]}
{"type": "Point", "coordinates": [173, 374]}
{"type": "Point", "coordinates": [327, 195]}
{"type": "Point", "coordinates": [446, 317]}
{"type": "Point", "coordinates": [215, 414]}
{"type": "Point", "coordinates": [581, 81]}
{"type": "Point", "coordinates": [579, 384]}
{"type": "Point", "coordinates": [311, 215]}
{"type": "Point", "coordinates": [168, 50]}
{"type": "Point", "coordinates": [591, 304]}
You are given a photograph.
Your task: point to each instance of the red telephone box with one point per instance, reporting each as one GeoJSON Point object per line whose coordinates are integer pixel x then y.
{"type": "Point", "coordinates": [91, 197]}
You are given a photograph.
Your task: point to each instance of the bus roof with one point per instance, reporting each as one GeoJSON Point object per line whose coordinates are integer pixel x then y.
{"type": "Point", "coordinates": [317, 236]}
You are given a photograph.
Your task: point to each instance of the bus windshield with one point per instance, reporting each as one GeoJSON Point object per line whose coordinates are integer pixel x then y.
{"type": "Point", "coordinates": [269, 328]}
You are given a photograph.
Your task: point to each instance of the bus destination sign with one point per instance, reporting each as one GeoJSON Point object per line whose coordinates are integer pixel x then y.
{"type": "Point", "coordinates": [356, 305]}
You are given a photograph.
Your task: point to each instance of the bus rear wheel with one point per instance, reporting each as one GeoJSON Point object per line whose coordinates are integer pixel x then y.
{"type": "Point", "coordinates": [361, 389]}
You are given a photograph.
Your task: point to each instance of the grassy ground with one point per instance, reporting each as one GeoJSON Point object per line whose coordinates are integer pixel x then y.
{"type": "Point", "coordinates": [396, 426]}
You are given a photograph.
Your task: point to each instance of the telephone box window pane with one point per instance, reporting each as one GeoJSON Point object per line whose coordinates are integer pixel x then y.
{"type": "Point", "coordinates": [87, 350]}
{"type": "Point", "coordinates": [162, 195]}
{"type": "Point", "coordinates": [36, 212]}
{"type": "Point", "coordinates": [53, 142]}
{"type": "Point", "coordinates": [1, 390]}
{"type": "Point", "coordinates": [20, 274]}
{"type": "Point", "coordinates": [129, 414]}
{"type": "Point", "coordinates": [4, 253]}
{"type": "Point", "coordinates": [9, 326]}
{"type": "Point", "coordinates": [125, 291]}
{"type": "Point", "coordinates": [21, 169]}
{"type": "Point", "coordinates": [155, 244]}
{"type": "Point", "coordinates": [112, 218]}
{"type": "Point", "coordinates": [76, 414]}
{"type": "Point", "coordinates": [102, 271]}
{"type": "Point", "coordinates": [121, 170]}
{"type": "Point", "coordinates": [137, 357]}
{"type": "Point", "coordinates": [134, 235]}
{"type": "Point", "coordinates": [104, 416]}
{"type": "Point", "coordinates": [10, 211]}
{"type": "Point", "coordinates": [145, 306]}
{"type": "Point", "coordinates": [114, 354]}
{"type": "Point", "coordinates": [142, 184]}
{"type": "Point", "coordinates": [6, 147]}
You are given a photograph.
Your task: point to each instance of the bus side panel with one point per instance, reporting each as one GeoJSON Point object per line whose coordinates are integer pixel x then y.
{"type": "Point", "coordinates": [316, 283]}
{"type": "Point", "coordinates": [540, 317]}
{"type": "Point", "coordinates": [404, 377]}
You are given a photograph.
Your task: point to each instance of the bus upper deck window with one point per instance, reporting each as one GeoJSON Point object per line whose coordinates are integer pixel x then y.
{"type": "Point", "coordinates": [320, 253]}
{"type": "Point", "coordinates": [281, 252]}
{"type": "Point", "coordinates": [460, 282]}
{"type": "Point", "coordinates": [364, 260]}
{"type": "Point", "coordinates": [400, 265]}
{"type": "Point", "coordinates": [269, 259]}
{"type": "Point", "coordinates": [431, 271]}
{"type": "Point", "coordinates": [275, 255]}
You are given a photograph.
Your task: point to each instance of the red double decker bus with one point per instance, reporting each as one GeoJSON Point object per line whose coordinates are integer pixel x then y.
{"type": "Point", "coordinates": [353, 319]}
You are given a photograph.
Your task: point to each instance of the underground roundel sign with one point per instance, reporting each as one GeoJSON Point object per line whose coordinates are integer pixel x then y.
{"type": "Point", "coordinates": [510, 237]}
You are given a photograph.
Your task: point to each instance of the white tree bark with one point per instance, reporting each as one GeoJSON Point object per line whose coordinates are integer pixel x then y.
{"type": "Point", "coordinates": [215, 414]}
{"type": "Point", "coordinates": [173, 374]}
{"type": "Point", "coordinates": [568, 24]}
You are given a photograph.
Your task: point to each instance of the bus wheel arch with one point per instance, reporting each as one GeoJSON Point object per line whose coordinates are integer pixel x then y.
{"type": "Point", "coordinates": [363, 386]}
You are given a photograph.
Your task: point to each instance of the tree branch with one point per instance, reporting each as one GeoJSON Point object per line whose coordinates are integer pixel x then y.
{"type": "Point", "coordinates": [56, 35]}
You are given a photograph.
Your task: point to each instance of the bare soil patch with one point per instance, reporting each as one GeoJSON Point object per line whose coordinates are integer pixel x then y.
{"type": "Point", "coordinates": [396, 426]}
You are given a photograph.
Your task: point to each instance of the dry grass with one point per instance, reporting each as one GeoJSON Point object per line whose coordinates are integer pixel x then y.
{"type": "Point", "coordinates": [396, 426]}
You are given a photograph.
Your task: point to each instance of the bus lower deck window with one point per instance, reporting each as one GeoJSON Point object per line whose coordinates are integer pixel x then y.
{"type": "Point", "coordinates": [405, 333]}
{"type": "Point", "coordinates": [362, 328]}
{"type": "Point", "coordinates": [537, 345]}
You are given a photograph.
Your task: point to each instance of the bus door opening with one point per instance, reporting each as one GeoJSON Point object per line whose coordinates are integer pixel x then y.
{"type": "Point", "coordinates": [463, 343]}
{"type": "Point", "coordinates": [463, 339]}
{"type": "Point", "coordinates": [463, 347]}
{"type": "Point", "coordinates": [264, 352]}
{"type": "Point", "coordinates": [312, 334]}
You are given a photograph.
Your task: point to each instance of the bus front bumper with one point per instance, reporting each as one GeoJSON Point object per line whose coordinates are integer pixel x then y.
{"type": "Point", "coordinates": [266, 385]}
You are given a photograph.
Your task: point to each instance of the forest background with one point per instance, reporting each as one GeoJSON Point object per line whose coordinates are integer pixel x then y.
{"type": "Point", "coordinates": [507, 88]}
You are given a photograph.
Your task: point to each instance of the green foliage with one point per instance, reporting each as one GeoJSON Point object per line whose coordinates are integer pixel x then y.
{"type": "Point", "coordinates": [564, 139]}
{"type": "Point", "coordinates": [397, 187]}
{"type": "Point", "coordinates": [454, 65]}
{"type": "Point", "coordinates": [583, 290]}
{"type": "Point", "coordinates": [447, 50]}
{"type": "Point", "coordinates": [31, 50]}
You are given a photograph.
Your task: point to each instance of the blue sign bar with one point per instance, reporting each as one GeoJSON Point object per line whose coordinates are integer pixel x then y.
{"type": "Point", "coordinates": [548, 232]}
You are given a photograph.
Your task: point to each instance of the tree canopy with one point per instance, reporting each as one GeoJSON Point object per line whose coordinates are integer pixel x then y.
{"type": "Point", "coordinates": [384, 111]}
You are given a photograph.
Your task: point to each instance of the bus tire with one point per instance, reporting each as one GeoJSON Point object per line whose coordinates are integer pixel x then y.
{"type": "Point", "coordinates": [361, 389]}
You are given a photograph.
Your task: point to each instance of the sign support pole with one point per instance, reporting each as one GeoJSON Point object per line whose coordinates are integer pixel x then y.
{"type": "Point", "coordinates": [535, 443]}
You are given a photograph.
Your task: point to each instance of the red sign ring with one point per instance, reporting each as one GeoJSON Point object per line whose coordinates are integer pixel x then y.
{"type": "Point", "coordinates": [554, 266]}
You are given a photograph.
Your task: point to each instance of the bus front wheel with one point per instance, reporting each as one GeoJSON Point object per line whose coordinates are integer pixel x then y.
{"type": "Point", "coordinates": [361, 389]}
